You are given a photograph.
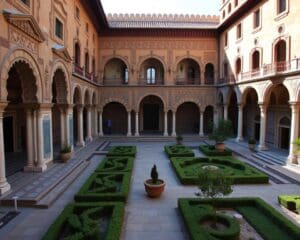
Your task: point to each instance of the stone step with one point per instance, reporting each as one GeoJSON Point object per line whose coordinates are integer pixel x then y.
{"type": "Point", "coordinates": [268, 158]}
{"type": "Point", "coordinates": [152, 138]}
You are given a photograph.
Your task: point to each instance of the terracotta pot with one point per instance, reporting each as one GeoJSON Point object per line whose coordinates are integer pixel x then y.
{"type": "Point", "coordinates": [65, 156]}
{"type": "Point", "coordinates": [220, 147]}
{"type": "Point", "coordinates": [152, 190]}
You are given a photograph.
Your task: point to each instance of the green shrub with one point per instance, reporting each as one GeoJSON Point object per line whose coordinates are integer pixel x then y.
{"type": "Point", "coordinates": [178, 151]}
{"type": "Point", "coordinates": [210, 150]}
{"type": "Point", "coordinates": [115, 164]}
{"type": "Point", "coordinates": [291, 202]}
{"type": "Point", "coordinates": [222, 131]}
{"type": "Point", "coordinates": [81, 221]}
{"type": "Point", "coordinates": [105, 187]}
{"type": "Point", "coordinates": [123, 151]}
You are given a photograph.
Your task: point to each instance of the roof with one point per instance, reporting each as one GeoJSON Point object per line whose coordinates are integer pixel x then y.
{"type": "Point", "coordinates": [159, 21]}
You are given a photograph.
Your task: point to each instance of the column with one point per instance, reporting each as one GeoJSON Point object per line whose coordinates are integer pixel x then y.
{"type": "Point", "coordinates": [100, 124]}
{"type": "Point", "coordinates": [137, 124]}
{"type": "Point", "coordinates": [225, 106]}
{"type": "Point", "coordinates": [96, 122]}
{"type": "Point", "coordinates": [29, 140]}
{"type": "Point", "coordinates": [174, 124]}
{"type": "Point", "coordinates": [41, 166]}
{"type": "Point", "coordinates": [166, 124]}
{"type": "Point", "coordinates": [89, 124]}
{"type": "Point", "coordinates": [263, 121]}
{"type": "Point", "coordinates": [62, 127]}
{"type": "Point", "coordinates": [80, 141]}
{"type": "Point", "coordinates": [201, 132]}
{"type": "Point", "coordinates": [4, 185]}
{"type": "Point", "coordinates": [68, 132]}
{"type": "Point", "coordinates": [294, 131]}
{"type": "Point", "coordinates": [216, 119]}
{"type": "Point", "coordinates": [239, 137]}
{"type": "Point", "coordinates": [129, 134]}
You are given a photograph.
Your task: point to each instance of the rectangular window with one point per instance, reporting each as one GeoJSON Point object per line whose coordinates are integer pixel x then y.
{"type": "Point", "coordinates": [58, 29]}
{"type": "Point", "coordinates": [226, 39]}
{"type": "Point", "coordinates": [256, 20]}
{"type": "Point", "coordinates": [239, 31]}
{"type": "Point", "coordinates": [281, 6]}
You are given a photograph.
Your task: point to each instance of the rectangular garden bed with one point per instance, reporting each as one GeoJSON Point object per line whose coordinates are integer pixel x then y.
{"type": "Point", "coordinates": [115, 164]}
{"type": "Point", "coordinates": [268, 223]}
{"type": "Point", "coordinates": [291, 202]}
{"type": "Point", "coordinates": [179, 151]}
{"type": "Point", "coordinates": [210, 150]}
{"type": "Point", "coordinates": [88, 221]}
{"type": "Point", "coordinates": [105, 187]}
{"type": "Point", "coordinates": [187, 169]}
{"type": "Point", "coordinates": [129, 151]}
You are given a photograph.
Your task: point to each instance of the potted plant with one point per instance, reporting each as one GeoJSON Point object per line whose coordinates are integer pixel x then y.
{"type": "Point", "coordinates": [297, 150]}
{"type": "Point", "coordinates": [220, 133]}
{"type": "Point", "coordinates": [154, 186]}
{"type": "Point", "coordinates": [66, 153]}
{"type": "Point", "coordinates": [251, 144]}
{"type": "Point", "coordinates": [179, 139]}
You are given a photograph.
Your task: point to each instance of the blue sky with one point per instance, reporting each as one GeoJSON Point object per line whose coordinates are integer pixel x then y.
{"type": "Point", "coordinates": [162, 6]}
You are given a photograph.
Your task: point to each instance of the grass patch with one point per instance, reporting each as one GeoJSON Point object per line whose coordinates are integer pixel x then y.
{"type": "Point", "coordinates": [210, 150]}
{"type": "Point", "coordinates": [88, 221]}
{"type": "Point", "coordinates": [178, 151]}
{"type": "Point", "coordinates": [115, 164]}
{"type": "Point", "coordinates": [291, 202]}
{"type": "Point", "coordinates": [123, 151]}
{"type": "Point", "coordinates": [187, 169]}
{"type": "Point", "coordinates": [105, 187]}
{"type": "Point", "coordinates": [269, 223]}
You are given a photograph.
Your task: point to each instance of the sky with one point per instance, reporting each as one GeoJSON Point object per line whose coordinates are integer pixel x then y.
{"type": "Point", "coordinates": [206, 7]}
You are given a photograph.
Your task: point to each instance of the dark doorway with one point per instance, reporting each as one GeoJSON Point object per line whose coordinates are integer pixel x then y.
{"type": "Point", "coordinates": [8, 131]}
{"type": "Point", "coordinates": [256, 131]}
{"type": "Point", "coordinates": [285, 138]}
{"type": "Point", "coordinates": [151, 117]}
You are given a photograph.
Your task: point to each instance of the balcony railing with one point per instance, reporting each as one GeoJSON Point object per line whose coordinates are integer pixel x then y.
{"type": "Point", "coordinates": [78, 69]}
{"type": "Point", "coordinates": [114, 81]}
{"type": "Point", "coordinates": [90, 76]}
{"type": "Point", "coordinates": [145, 81]}
{"type": "Point", "coordinates": [187, 81]}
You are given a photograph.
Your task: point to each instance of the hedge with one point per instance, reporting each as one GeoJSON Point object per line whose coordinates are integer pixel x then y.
{"type": "Point", "coordinates": [115, 164]}
{"type": "Point", "coordinates": [291, 202]}
{"type": "Point", "coordinates": [210, 150]}
{"type": "Point", "coordinates": [178, 151]}
{"type": "Point", "coordinates": [105, 187]}
{"type": "Point", "coordinates": [123, 151]}
{"type": "Point", "coordinates": [186, 169]}
{"type": "Point", "coordinates": [82, 220]}
{"type": "Point", "coordinates": [269, 223]}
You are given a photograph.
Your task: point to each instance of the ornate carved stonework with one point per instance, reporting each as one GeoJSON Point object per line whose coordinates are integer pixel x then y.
{"type": "Point", "coordinates": [22, 40]}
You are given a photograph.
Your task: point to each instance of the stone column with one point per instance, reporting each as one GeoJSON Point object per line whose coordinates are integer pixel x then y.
{"type": "Point", "coordinates": [166, 124]}
{"type": "Point", "coordinates": [62, 127]}
{"type": "Point", "coordinates": [239, 137]}
{"type": "Point", "coordinates": [29, 140]}
{"type": "Point", "coordinates": [201, 132]}
{"type": "Point", "coordinates": [263, 121]}
{"type": "Point", "coordinates": [100, 124]}
{"type": "Point", "coordinates": [41, 166]}
{"type": "Point", "coordinates": [216, 119]}
{"type": "Point", "coordinates": [80, 141]}
{"type": "Point", "coordinates": [137, 124]}
{"type": "Point", "coordinates": [174, 124]}
{"type": "Point", "coordinates": [225, 106]}
{"type": "Point", "coordinates": [89, 124]}
{"type": "Point", "coordinates": [69, 112]}
{"type": "Point", "coordinates": [294, 131]}
{"type": "Point", "coordinates": [129, 134]}
{"type": "Point", "coordinates": [4, 185]}
{"type": "Point", "coordinates": [96, 122]}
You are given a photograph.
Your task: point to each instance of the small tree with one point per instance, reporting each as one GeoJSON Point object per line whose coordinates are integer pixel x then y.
{"type": "Point", "coordinates": [154, 174]}
{"type": "Point", "coordinates": [213, 183]}
{"type": "Point", "coordinates": [222, 131]}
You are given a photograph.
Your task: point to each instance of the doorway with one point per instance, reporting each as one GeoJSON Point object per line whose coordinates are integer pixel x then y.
{"type": "Point", "coordinates": [151, 117]}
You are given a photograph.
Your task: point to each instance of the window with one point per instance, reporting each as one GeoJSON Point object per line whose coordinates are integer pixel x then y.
{"type": "Point", "coordinates": [223, 14]}
{"type": "Point", "coordinates": [281, 6]}
{"type": "Point", "coordinates": [151, 75]}
{"type": "Point", "coordinates": [87, 62]}
{"type": "Point", "coordinates": [256, 20]}
{"type": "Point", "coordinates": [239, 31]}
{"type": "Point", "coordinates": [87, 27]}
{"type": "Point", "coordinates": [255, 61]}
{"type": "Point", "coordinates": [26, 2]}
{"type": "Point", "coordinates": [58, 29]}
{"type": "Point", "coordinates": [229, 8]}
{"type": "Point", "coordinates": [238, 66]}
{"type": "Point", "coordinates": [77, 13]}
{"type": "Point", "coordinates": [225, 66]}
{"type": "Point", "coordinates": [236, 2]}
{"type": "Point", "coordinates": [77, 54]}
{"type": "Point", "coordinates": [126, 76]}
{"type": "Point", "coordinates": [226, 39]}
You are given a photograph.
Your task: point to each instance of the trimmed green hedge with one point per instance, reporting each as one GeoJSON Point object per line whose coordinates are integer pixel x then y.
{"type": "Point", "coordinates": [291, 202]}
{"type": "Point", "coordinates": [186, 169]}
{"type": "Point", "coordinates": [122, 151]}
{"type": "Point", "coordinates": [115, 164]}
{"type": "Point", "coordinates": [269, 223]}
{"type": "Point", "coordinates": [88, 221]}
{"type": "Point", "coordinates": [178, 151]}
{"type": "Point", "coordinates": [210, 150]}
{"type": "Point", "coordinates": [105, 187]}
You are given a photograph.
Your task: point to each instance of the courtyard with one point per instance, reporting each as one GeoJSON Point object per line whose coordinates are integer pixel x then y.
{"type": "Point", "coordinates": [144, 217]}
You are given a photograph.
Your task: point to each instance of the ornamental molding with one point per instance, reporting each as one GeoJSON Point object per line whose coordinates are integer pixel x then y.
{"type": "Point", "coordinates": [61, 52]}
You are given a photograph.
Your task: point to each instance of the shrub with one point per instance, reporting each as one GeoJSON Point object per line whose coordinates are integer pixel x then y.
{"type": "Point", "coordinates": [210, 150]}
{"type": "Point", "coordinates": [115, 164]}
{"type": "Point", "coordinates": [123, 151]}
{"type": "Point", "coordinates": [291, 202]}
{"type": "Point", "coordinates": [222, 131]}
{"type": "Point", "coordinates": [251, 141]}
{"type": "Point", "coordinates": [154, 174]}
{"type": "Point", "coordinates": [66, 148]}
{"type": "Point", "coordinates": [178, 151]}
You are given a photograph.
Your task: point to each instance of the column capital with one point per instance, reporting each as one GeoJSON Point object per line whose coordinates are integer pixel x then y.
{"type": "Point", "coordinates": [241, 104]}
{"type": "Point", "coordinates": [294, 105]}
{"type": "Point", "coordinates": [79, 107]}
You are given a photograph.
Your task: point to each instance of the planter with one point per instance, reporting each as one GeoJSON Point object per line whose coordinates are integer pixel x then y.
{"type": "Point", "coordinates": [154, 190]}
{"type": "Point", "coordinates": [220, 147]}
{"type": "Point", "coordinates": [251, 147]}
{"type": "Point", "coordinates": [65, 156]}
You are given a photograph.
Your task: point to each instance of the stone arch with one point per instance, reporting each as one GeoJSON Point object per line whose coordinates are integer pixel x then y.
{"type": "Point", "coordinates": [87, 98]}
{"type": "Point", "coordinates": [286, 39]}
{"type": "Point", "coordinates": [187, 101]}
{"type": "Point", "coordinates": [77, 90]}
{"type": "Point", "coordinates": [252, 52]}
{"type": "Point", "coordinates": [114, 99]}
{"type": "Point", "coordinates": [19, 55]}
{"type": "Point", "coordinates": [246, 91]}
{"type": "Point", "coordinates": [111, 57]}
{"type": "Point", "coordinates": [230, 92]}
{"type": "Point", "coordinates": [190, 57]}
{"type": "Point", "coordinates": [154, 56]}
{"type": "Point", "coordinates": [94, 98]}
{"type": "Point", "coordinates": [268, 90]}
{"type": "Point", "coordinates": [188, 118]}
{"type": "Point", "coordinates": [151, 94]}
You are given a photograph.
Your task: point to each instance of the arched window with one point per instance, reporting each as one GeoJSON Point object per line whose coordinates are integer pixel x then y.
{"type": "Point", "coordinates": [125, 75]}
{"type": "Point", "coordinates": [238, 66]}
{"type": "Point", "coordinates": [151, 72]}
{"type": "Point", "coordinates": [280, 56]}
{"type": "Point", "coordinates": [77, 54]}
{"type": "Point", "coordinates": [191, 75]}
{"type": "Point", "coordinates": [255, 61]}
{"type": "Point", "coordinates": [93, 66]}
{"type": "Point", "coordinates": [209, 74]}
{"type": "Point", "coordinates": [281, 6]}
{"type": "Point", "coordinates": [236, 2]}
{"type": "Point", "coordinates": [87, 62]}
{"type": "Point", "coordinates": [223, 14]}
{"type": "Point", "coordinates": [229, 8]}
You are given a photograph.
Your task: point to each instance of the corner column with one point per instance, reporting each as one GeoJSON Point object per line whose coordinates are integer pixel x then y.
{"type": "Point", "coordinates": [129, 134]}
{"type": "Point", "coordinates": [29, 140]}
{"type": "Point", "coordinates": [239, 137]}
{"type": "Point", "coordinates": [136, 124]}
{"type": "Point", "coordinates": [173, 123]}
{"type": "Point", "coordinates": [62, 127]}
{"type": "Point", "coordinates": [41, 166]}
{"type": "Point", "coordinates": [263, 121]}
{"type": "Point", "coordinates": [89, 123]}
{"type": "Point", "coordinates": [100, 124]}
{"type": "Point", "coordinates": [294, 131]}
{"type": "Point", "coordinates": [80, 141]}
{"type": "Point", "coordinates": [201, 132]}
{"type": "Point", "coordinates": [166, 124]}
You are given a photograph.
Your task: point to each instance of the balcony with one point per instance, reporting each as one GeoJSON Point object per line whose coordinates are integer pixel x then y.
{"type": "Point", "coordinates": [145, 81]}
{"type": "Point", "coordinates": [80, 72]}
{"type": "Point", "coordinates": [187, 81]}
{"type": "Point", "coordinates": [114, 81]}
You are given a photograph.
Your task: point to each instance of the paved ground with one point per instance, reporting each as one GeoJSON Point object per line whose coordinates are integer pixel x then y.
{"type": "Point", "coordinates": [145, 218]}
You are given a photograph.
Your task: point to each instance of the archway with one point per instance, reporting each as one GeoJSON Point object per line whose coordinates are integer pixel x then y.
{"type": "Point", "coordinates": [209, 74]}
{"type": "Point", "coordinates": [19, 117]}
{"type": "Point", "coordinates": [188, 72]}
{"type": "Point", "coordinates": [114, 119]}
{"type": "Point", "coordinates": [115, 72]}
{"type": "Point", "coordinates": [233, 111]}
{"type": "Point", "coordinates": [208, 117]}
{"type": "Point", "coordinates": [187, 118]}
{"type": "Point", "coordinates": [152, 115]}
{"type": "Point", "coordinates": [284, 128]}
{"type": "Point", "coordinates": [151, 72]}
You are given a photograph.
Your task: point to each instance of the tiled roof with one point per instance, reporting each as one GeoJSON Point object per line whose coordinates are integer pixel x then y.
{"type": "Point", "coordinates": [162, 21]}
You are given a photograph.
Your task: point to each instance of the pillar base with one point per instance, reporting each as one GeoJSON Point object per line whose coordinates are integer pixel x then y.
{"type": "Point", "coordinates": [136, 134]}
{"type": "Point", "coordinates": [28, 169]}
{"type": "Point", "coordinates": [239, 139]}
{"type": "Point", "coordinates": [41, 168]}
{"type": "Point", "coordinates": [80, 144]}
{"type": "Point", "coordinates": [129, 135]}
{"type": "Point", "coordinates": [292, 159]}
{"type": "Point", "coordinates": [173, 135]}
{"type": "Point", "coordinates": [201, 134]}
{"type": "Point", "coordinates": [100, 134]}
{"type": "Point", "coordinates": [166, 134]}
{"type": "Point", "coordinates": [262, 147]}
{"type": "Point", "coordinates": [4, 188]}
